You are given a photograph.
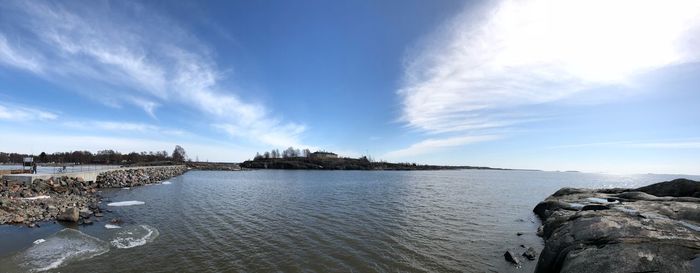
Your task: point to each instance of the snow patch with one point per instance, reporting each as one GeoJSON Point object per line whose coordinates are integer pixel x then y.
{"type": "Point", "coordinates": [125, 203]}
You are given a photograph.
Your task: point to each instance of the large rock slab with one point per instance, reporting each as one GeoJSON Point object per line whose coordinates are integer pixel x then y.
{"type": "Point", "coordinates": [621, 230]}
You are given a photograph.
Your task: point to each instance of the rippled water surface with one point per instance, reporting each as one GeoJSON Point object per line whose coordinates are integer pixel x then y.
{"type": "Point", "coordinates": [310, 221]}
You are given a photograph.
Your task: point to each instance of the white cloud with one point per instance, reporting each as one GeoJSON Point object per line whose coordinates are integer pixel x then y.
{"type": "Point", "coordinates": [17, 58]}
{"type": "Point", "coordinates": [23, 142]}
{"type": "Point", "coordinates": [669, 145]}
{"type": "Point", "coordinates": [655, 144]}
{"type": "Point", "coordinates": [113, 126]}
{"type": "Point", "coordinates": [430, 145]}
{"type": "Point", "coordinates": [21, 113]}
{"type": "Point", "coordinates": [125, 127]}
{"type": "Point", "coordinates": [482, 69]}
{"type": "Point", "coordinates": [127, 54]}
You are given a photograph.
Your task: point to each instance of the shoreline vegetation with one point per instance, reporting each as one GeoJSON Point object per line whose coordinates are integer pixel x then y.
{"type": "Point", "coordinates": [295, 159]}
{"type": "Point", "coordinates": [304, 163]}
{"type": "Point", "coordinates": [289, 159]}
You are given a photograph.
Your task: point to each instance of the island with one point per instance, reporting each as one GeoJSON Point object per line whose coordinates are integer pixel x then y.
{"type": "Point", "coordinates": [295, 159]}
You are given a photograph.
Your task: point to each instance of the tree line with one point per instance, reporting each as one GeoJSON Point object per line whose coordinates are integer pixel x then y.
{"type": "Point", "coordinates": [288, 153]}
{"type": "Point", "coordinates": [101, 157]}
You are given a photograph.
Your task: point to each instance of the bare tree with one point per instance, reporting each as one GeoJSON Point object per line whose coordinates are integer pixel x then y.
{"type": "Point", "coordinates": [179, 154]}
{"type": "Point", "coordinates": [306, 153]}
{"type": "Point", "coordinates": [289, 152]}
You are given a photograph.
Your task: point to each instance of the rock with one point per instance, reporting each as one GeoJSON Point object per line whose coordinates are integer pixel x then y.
{"type": "Point", "coordinates": [569, 191]}
{"type": "Point", "coordinates": [530, 253]}
{"type": "Point", "coordinates": [543, 209]}
{"type": "Point", "coordinates": [18, 219]}
{"type": "Point", "coordinates": [87, 222]}
{"type": "Point", "coordinates": [85, 213]}
{"type": "Point", "coordinates": [636, 195]}
{"type": "Point", "coordinates": [674, 188]}
{"type": "Point", "coordinates": [68, 194]}
{"type": "Point", "coordinates": [510, 257]}
{"type": "Point", "coordinates": [519, 233]}
{"type": "Point", "coordinates": [70, 215]}
{"type": "Point", "coordinates": [98, 214]}
{"type": "Point", "coordinates": [116, 221]}
{"type": "Point", "coordinates": [594, 207]}
{"type": "Point", "coordinates": [649, 234]}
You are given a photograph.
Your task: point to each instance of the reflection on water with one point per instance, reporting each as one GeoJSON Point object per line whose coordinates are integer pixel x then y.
{"type": "Point", "coordinates": [325, 221]}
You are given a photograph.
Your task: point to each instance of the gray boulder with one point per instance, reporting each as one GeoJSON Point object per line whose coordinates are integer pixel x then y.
{"type": "Point", "coordinates": [71, 214]}
{"type": "Point", "coordinates": [510, 257]}
{"type": "Point", "coordinates": [675, 188]}
{"type": "Point", "coordinates": [643, 233]}
{"type": "Point", "coordinates": [530, 253]}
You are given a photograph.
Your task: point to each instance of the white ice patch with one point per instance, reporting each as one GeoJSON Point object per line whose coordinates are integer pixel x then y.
{"type": "Point", "coordinates": [167, 183]}
{"type": "Point", "coordinates": [600, 200]}
{"type": "Point", "coordinates": [125, 188]}
{"type": "Point", "coordinates": [64, 246]}
{"type": "Point", "coordinates": [134, 236]}
{"type": "Point", "coordinates": [36, 197]}
{"type": "Point", "coordinates": [39, 241]}
{"type": "Point", "coordinates": [125, 203]}
{"type": "Point", "coordinates": [110, 226]}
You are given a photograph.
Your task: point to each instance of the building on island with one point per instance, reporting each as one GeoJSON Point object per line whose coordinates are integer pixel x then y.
{"type": "Point", "coordinates": [322, 155]}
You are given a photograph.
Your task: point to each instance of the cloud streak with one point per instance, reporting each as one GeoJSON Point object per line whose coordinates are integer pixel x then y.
{"type": "Point", "coordinates": [482, 69]}
{"type": "Point", "coordinates": [430, 145]}
{"type": "Point", "coordinates": [125, 53]}
{"type": "Point", "coordinates": [21, 114]}
{"type": "Point", "coordinates": [655, 144]}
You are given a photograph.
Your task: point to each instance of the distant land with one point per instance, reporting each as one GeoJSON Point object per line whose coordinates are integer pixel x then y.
{"type": "Point", "coordinates": [290, 159]}
{"type": "Point", "coordinates": [294, 159]}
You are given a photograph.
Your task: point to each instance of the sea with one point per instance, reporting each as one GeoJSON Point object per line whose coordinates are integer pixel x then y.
{"type": "Point", "coordinates": [307, 221]}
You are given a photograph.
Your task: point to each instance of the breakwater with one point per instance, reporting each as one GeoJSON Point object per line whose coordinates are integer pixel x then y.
{"type": "Point", "coordinates": [70, 197]}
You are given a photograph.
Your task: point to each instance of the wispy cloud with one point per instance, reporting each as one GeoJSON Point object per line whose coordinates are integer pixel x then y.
{"type": "Point", "coordinates": [16, 113]}
{"type": "Point", "coordinates": [17, 58]}
{"type": "Point", "coordinates": [431, 144]}
{"type": "Point", "coordinates": [125, 127]}
{"type": "Point", "coordinates": [23, 142]}
{"type": "Point", "coordinates": [482, 69]}
{"type": "Point", "coordinates": [124, 53]}
{"type": "Point", "coordinates": [649, 144]}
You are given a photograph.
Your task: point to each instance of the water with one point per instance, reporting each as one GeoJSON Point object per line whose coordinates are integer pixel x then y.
{"type": "Point", "coordinates": [309, 221]}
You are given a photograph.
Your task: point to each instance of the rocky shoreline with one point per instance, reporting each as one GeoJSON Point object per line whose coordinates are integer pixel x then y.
{"type": "Point", "coordinates": [649, 229]}
{"type": "Point", "coordinates": [70, 199]}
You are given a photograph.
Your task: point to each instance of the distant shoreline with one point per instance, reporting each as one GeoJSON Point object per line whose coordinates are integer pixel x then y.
{"type": "Point", "coordinates": [356, 164]}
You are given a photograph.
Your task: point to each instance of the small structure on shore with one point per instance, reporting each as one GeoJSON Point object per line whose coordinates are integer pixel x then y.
{"type": "Point", "coordinates": [323, 155]}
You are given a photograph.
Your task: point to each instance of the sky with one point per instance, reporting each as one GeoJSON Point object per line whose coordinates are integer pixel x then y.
{"type": "Point", "coordinates": [589, 85]}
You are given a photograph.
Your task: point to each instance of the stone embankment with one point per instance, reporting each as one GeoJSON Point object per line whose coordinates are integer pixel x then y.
{"type": "Point", "coordinates": [649, 229]}
{"type": "Point", "coordinates": [138, 177]}
{"type": "Point", "coordinates": [70, 199]}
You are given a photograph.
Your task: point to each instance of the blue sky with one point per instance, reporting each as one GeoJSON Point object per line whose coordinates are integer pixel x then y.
{"type": "Point", "coordinates": [603, 86]}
